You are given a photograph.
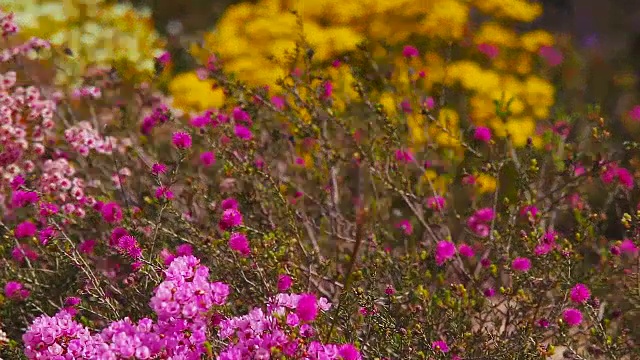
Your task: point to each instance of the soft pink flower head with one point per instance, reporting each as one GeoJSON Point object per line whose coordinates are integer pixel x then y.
{"type": "Point", "coordinates": [580, 294]}
{"type": "Point", "coordinates": [239, 242]}
{"type": "Point", "coordinates": [410, 52]}
{"type": "Point", "coordinates": [445, 250]}
{"type": "Point", "coordinates": [551, 55]}
{"type": "Point", "coordinates": [429, 103]}
{"type": "Point", "coordinates": [181, 140]}
{"type": "Point", "coordinates": [307, 308]}
{"type": "Point", "coordinates": [207, 158]}
{"type": "Point", "coordinates": [284, 282]}
{"type": "Point", "coordinates": [111, 212]}
{"type": "Point", "coordinates": [482, 133]}
{"type": "Point", "coordinates": [405, 226]}
{"type": "Point", "coordinates": [573, 317]}
{"type": "Point", "coordinates": [521, 264]}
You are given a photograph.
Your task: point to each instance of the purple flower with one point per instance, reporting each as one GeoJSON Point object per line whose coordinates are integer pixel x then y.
{"type": "Point", "coordinates": [440, 345]}
{"type": "Point", "coordinates": [284, 283]}
{"type": "Point", "coordinates": [482, 133]}
{"type": "Point", "coordinates": [243, 132]}
{"type": "Point", "coordinates": [111, 212]}
{"type": "Point", "coordinates": [207, 158]}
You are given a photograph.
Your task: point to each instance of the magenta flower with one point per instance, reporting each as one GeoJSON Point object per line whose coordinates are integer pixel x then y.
{"type": "Point", "coordinates": [490, 50]}
{"type": "Point", "coordinates": [229, 203]}
{"type": "Point", "coordinates": [436, 202]}
{"type": "Point", "coordinates": [628, 247]}
{"type": "Point", "coordinates": [573, 317]}
{"type": "Point", "coordinates": [580, 294]}
{"type": "Point", "coordinates": [429, 103]}
{"type": "Point", "coordinates": [25, 229]}
{"type": "Point", "coordinates": [404, 156]}
{"type": "Point", "coordinates": [158, 168]}
{"type": "Point", "coordinates": [529, 211]}
{"type": "Point", "coordinates": [239, 242]}
{"type": "Point", "coordinates": [278, 102]}
{"type": "Point", "coordinates": [440, 345]}
{"type": "Point", "coordinates": [634, 113]}
{"type": "Point", "coordinates": [466, 250]}
{"type": "Point", "coordinates": [521, 264]}
{"type": "Point", "coordinates": [15, 290]}
{"type": "Point", "coordinates": [181, 140]}
{"type": "Point", "coordinates": [327, 90]}
{"type": "Point", "coordinates": [230, 219]}
{"type": "Point", "coordinates": [284, 282]}
{"type": "Point", "coordinates": [307, 308]}
{"type": "Point", "coordinates": [111, 212]}
{"type": "Point", "coordinates": [445, 250]}
{"type": "Point", "coordinates": [349, 352]}
{"type": "Point", "coordinates": [410, 52]}
{"type": "Point", "coordinates": [482, 133]}
{"type": "Point", "coordinates": [405, 226]}
{"type": "Point", "coordinates": [243, 132]}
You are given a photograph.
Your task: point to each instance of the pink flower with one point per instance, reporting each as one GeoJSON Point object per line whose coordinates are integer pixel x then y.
{"type": "Point", "coordinates": [229, 203]}
{"type": "Point", "coordinates": [436, 202]}
{"type": "Point", "coordinates": [529, 211]}
{"type": "Point", "coordinates": [625, 178]}
{"type": "Point", "coordinates": [466, 250]}
{"type": "Point", "coordinates": [580, 293]}
{"type": "Point", "coordinates": [521, 264]}
{"type": "Point", "coordinates": [405, 226]}
{"type": "Point", "coordinates": [238, 242]}
{"type": "Point", "coordinates": [163, 192]}
{"type": "Point", "coordinates": [628, 247]}
{"type": "Point", "coordinates": [207, 158]}
{"type": "Point", "coordinates": [410, 52]}
{"type": "Point", "coordinates": [181, 140]}
{"type": "Point", "coordinates": [25, 229]}
{"type": "Point", "coordinates": [87, 246]}
{"type": "Point", "coordinates": [429, 103]}
{"type": "Point", "coordinates": [440, 345]}
{"type": "Point", "coordinates": [243, 132]}
{"type": "Point", "coordinates": [230, 219]}
{"type": "Point", "coordinates": [634, 113]}
{"type": "Point", "coordinates": [490, 50]}
{"type": "Point", "coordinates": [349, 352]}
{"type": "Point", "coordinates": [15, 290]}
{"type": "Point", "coordinates": [278, 102]}
{"type": "Point", "coordinates": [307, 308]}
{"type": "Point", "coordinates": [573, 317]}
{"type": "Point", "coordinates": [111, 212]}
{"type": "Point", "coordinates": [284, 282]}
{"type": "Point", "coordinates": [327, 90]}
{"type": "Point", "coordinates": [445, 250]}
{"type": "Point", "coordinates": [164, 58]}
{"type": "Point", "coordinates": [482, 133]}
{"type": "Point", "coordinates": [404, 156]}
{"type": "Point", "coordinates": [551, 55]}
{"type": "Point", "coordinates": [158, 168]}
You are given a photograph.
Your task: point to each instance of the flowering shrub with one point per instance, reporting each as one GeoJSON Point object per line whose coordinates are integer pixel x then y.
{"type": "Point", "coordinates": [290, 225]}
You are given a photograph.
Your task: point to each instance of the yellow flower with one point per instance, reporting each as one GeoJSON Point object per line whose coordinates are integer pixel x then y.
{"type": "Point", "coordinates": [532, 41]}
{"type": "Point", "coordinates": [486, 183]}
{"type": "Point", "coordinates": [494, 33]}
{"type": "Point", "coordinates": [193, 94]}
{"type": "Point", "coordinates": [520, 130]}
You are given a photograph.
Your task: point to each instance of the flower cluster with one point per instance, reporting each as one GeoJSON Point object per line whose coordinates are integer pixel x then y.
{"type": "Point", "coordinates": [284, 329]}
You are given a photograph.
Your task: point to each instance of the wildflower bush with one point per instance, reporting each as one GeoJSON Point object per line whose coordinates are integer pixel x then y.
{"type": "Point", "coordinates": [306, 223]}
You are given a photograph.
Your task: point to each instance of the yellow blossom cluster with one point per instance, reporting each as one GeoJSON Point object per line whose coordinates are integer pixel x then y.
{"type": "Point", "coordinates": [98, 32]}
{"type": "Point", "coordinates": [250, 36]}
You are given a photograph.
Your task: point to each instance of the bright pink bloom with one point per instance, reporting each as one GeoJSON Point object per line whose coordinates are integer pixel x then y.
{"type": "Point", "coordinates": [440, 345]}
{"type": "Point", "coordinates": [573, 317]}
{"type": "Point", "coordinates": [466, 250]}
{"type": "Point", "coordinates": [25, 229]}
{"type": "Point", "coordinates": [580, 293]}
{"type": "Point", "coordinates": [111, 212]}
{"type": "Point", "coordinates": [445, 250]}
{"type": "Point", "coordinates": [551, 55]}
{"type": "Point", "coordinates": [239, 242]}
{"type": "Point", "coordinates": [490, 50]}
{"type": "Point", "coordinates": [405, 226]}
{"type": "Point", "coordinates": [436, 202]}
{"type": "Point", "coordinates": [284, 282]}
{"type": "Point", "coordinates": [207, 158]}
{"type": "Point", "coordinates": [181, 140]}
{"type": "Point", "coordinates": [482, 133]}
{"type": "Point", "coordinates": [410, 52]}
{"type": "Point", "coordinates": [307, 308]}
{"type": "Point", "coordinates": [634, 113]}
{"type": "Point", "coordinates": [521, 264]}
